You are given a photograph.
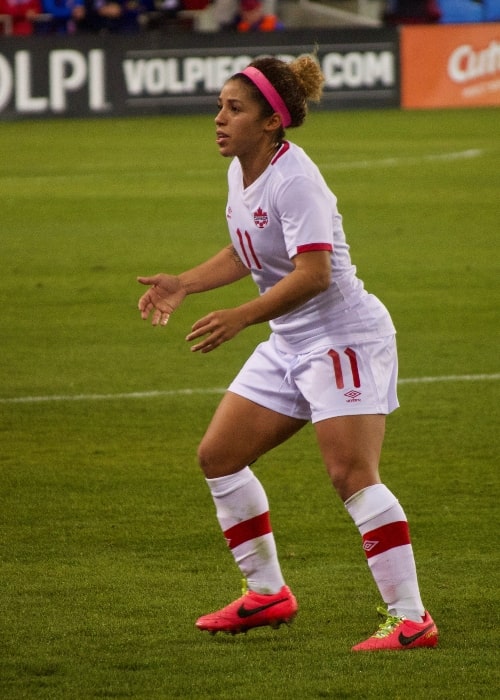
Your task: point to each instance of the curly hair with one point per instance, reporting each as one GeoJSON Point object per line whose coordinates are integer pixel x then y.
{"type": "Point", "coordinates": [298, 83]}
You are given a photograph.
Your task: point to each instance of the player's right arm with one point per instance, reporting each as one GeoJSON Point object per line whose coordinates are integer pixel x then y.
{"type": "Point", "coordinates": [224, 268]}
{"type": "Point", "coordinates": [167, 292]}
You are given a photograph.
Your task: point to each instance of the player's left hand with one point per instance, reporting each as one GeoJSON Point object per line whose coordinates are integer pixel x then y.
{"type": "Point", "coordinates": [215, 328]}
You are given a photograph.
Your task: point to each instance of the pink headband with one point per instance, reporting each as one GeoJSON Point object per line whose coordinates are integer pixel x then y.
{"type": "Point", "coordinates": [270, 93]}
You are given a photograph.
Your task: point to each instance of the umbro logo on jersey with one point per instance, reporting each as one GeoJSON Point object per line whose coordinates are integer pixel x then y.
{"type": "Point", "coordinates": [352, 396]}
{"type": "Point", "coordinates": [368, 545]}
{"type": "Point", "coordinates": [260, 218]}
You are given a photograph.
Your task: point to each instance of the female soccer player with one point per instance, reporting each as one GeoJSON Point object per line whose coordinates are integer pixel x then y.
{"type": "Point", "coordinates": [330, 359]}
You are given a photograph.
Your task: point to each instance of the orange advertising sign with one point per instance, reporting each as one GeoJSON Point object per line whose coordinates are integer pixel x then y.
{"type": "Point", "coordinates": [450, 65]}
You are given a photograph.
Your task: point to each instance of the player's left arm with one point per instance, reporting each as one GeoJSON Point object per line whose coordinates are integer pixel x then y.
{"type": "Point", "coordinates": [311, 276]}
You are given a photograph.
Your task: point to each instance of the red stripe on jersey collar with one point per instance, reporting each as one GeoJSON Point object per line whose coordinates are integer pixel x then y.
{"type": "Point", "coordinates": [283, 149]}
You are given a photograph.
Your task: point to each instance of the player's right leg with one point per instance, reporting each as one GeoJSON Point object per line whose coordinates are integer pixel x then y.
{"type": "Point", "coordinates": [239, 433]}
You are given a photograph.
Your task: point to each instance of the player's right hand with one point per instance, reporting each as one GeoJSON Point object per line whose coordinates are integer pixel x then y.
{"type": "Point", "coordinates": [164, 295]}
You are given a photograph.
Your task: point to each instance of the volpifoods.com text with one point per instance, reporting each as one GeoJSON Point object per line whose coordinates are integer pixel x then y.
{"type": "Point", "coordinates": [99, 80]}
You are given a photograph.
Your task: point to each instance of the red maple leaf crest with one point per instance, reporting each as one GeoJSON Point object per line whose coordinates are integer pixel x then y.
{"type": "Point", "coordinates": [260, 217]}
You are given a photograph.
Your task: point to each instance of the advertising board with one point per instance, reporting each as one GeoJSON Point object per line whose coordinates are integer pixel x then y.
{"type": "Point", "coordinates": [155, 74]}
{"type": "Point", "coordinates": [450, 66]}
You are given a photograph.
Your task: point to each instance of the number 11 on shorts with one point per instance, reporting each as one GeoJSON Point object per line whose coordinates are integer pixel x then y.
{"type": "Point", "coordinates": [337, 367]}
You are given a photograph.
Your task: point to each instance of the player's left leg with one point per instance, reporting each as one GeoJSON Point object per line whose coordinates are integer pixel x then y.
{"type": "Point", "coordinates": [351, 447]}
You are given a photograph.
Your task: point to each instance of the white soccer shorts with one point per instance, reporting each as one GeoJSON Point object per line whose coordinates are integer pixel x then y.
{"type": "Point", "coordinates": [329, 381]}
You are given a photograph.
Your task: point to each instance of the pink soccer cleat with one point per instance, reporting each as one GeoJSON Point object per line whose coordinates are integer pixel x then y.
{"type": "Point", "coordinates": [398, 634]}
{"type": "Point", "coordinates": [251, 610]}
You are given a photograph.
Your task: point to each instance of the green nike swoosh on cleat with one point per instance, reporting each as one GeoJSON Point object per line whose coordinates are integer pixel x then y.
{"type": "Point", "coordinates": [404, 640]}
{"type": "Point", "coordinates": [247, 612]}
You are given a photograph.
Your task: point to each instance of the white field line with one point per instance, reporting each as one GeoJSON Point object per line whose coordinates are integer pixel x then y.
{"type": "Point", "coordinates": [44, 176]}
{"type": "Point", "coordinates": [375, 162]}
{"type": "Point", "coordinates": [403, 160]}
{"type": "Point", "coordinates": [220, 390]}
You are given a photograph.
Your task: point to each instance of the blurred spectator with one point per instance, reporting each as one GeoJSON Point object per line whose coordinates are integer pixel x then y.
{"type": "Point", "coordinates": [170, 8]}
{"type": "Point", "coordinates": [411, 12]}
{"type": "Point", "coordinates": [167, 16]}
{"type": "Point", "coordinates": [64, 13]}
{"type": "Point", "coordinates": [225, 14]}
{"type": "Point", "coordinates": [253, 18]}
{"type": "Point", "coordinates": [23, 13]}
{"type": "Point", "coordinates": [113, 16]}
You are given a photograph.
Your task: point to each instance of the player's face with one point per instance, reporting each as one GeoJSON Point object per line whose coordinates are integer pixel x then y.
{"type": "Point", "coordinates": [240, 128]}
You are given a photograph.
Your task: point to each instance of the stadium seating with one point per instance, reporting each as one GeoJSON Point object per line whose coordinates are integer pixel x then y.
{"type": "Point", "coordinates": [491, 10]}
{"type": "Point", "coordinates": [462, 11]}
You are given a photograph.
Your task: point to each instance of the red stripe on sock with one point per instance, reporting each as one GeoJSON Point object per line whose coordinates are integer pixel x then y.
{"type": "Point", "coordinates": [386, 537]}
{"type": "Point", "coordinates": [248, 530]}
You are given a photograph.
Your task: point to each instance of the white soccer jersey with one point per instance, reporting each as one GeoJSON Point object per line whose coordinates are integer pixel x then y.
{"type": "Point", "coordinates": [289, 210]}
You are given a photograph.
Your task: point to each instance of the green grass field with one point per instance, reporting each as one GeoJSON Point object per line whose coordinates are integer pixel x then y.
{"type": "Point", "coordinates": [109, 546]}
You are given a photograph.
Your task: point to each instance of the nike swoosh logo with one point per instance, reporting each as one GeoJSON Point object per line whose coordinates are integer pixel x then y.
{"type": "Point", "coordinates": [247, 612]}
{"type": "Point", "coordinates": [404, 640]}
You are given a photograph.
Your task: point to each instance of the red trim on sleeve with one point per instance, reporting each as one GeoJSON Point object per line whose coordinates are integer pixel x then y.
{"type": "Point", "coordinates": [248, 530]}
{"type": "Point", "coordinates": [309, 247]}
{"type": "Point", "coordinates": [386, 537]}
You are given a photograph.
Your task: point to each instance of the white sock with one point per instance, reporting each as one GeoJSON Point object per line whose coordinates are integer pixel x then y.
{"type": "Point", "coordinates": [386, 541]}
{"type": "Point", "coordinates": [243, 514]}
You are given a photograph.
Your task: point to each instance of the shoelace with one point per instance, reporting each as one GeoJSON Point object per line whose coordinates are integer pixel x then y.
{"type": "Point", "coordinates": [389, 624]}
